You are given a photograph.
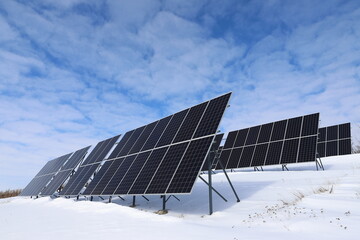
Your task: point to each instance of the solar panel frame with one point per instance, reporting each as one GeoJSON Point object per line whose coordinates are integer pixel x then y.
{"type": "Point", "coordinates": [166, 142]}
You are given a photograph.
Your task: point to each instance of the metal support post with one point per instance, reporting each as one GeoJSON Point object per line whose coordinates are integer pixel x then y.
{"type": "Point", "coordinates": [227, 177]}
{"type": "Point", "coordinates": [210, 185]}
{"type": "Point", "coordinates": [101, 197]}
{"type": "Point", "coordinates": [145, 198]}
{"type": "Point", "coordinates": [91, 198]}
{"type": "Point", "coordinates": [283, 166]}
{"type": "Point", "coordinates": [110, 198]}
{"type": "Point", "coordinates": [322, 166]}
{"type": "Point", "coordinates": [121, 198]}
{"type": "Point", "coordinates": [175, 197]}
{"type": "Point", "coordinates": [164, 203]}
{"type": "Point", "coordinates": [213, 189]}
{"type": "Point", "coordinates": [133, 202]}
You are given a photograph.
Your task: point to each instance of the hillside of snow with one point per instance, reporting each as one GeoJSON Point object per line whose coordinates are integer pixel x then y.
{"type": "Point", "coordinates": [298, 204]}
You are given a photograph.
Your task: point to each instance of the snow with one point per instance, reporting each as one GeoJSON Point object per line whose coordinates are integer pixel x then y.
{"type": "Point", "coordinates": [298, 204]}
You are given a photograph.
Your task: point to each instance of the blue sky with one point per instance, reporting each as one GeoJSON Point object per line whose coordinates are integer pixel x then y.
{"type": "Point", "coordinates": [75, 72]}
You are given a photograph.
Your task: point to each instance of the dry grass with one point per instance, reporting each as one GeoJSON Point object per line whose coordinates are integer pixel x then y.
{"type": "Point", "coordinates": [10, 193]}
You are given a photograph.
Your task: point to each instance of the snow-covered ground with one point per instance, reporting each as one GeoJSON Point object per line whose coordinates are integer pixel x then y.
{"type": "Point", "coordinates": [298, 204]}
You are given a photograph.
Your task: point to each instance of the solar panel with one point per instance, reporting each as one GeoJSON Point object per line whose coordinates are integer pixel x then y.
{"type": "Point", "coordinates": [287, 141]}
{"type": "Point", "coordinates": [87, 169]}
{"type": "Point", "coordinates": [43, 177]}
{"type": "Point", "coordinates": [165, 156]}
{"type": "Point", "coordinates": [65, 172]}
{"type": "Point", "coordinates": [334, 140]}
{"type": "Point", "coordinates": [100, 151]}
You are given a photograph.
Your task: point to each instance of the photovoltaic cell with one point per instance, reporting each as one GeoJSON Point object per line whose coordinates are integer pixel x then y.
{"type": "Point", "coordinates": [241, 137]}
{"type": "Point", "coordinates": [99, 175]}
{"type": "Point", "coordinates": [274, 153]}
{"type": "Point", "coordinates": [190, 123]}
{"type": "Point", "coordinates": [307, 148]}
{"type": "Point", "coordinates": [294, 127]}
{"type": "Point", "coordinates": [231, 139]}
{"type": "Point", "coordinates": [100, 151]}
{"type": "Point", "coordinates": [332, 148]}
{"type": "Point", "coordinates": [234, 157]}
{"type": "Point", "coordinates": [344, 146]}
{"type": "Point", "coordinates": [144, 177]}
{"type": "Point", "coordinates": [166, 169]}
{"type": "Point", "coordinates": [156, 134]}
{"type": "Point", "coordinates": [290, 151]}
{"type": "Point", "coordinates": [132, 173]}
{"type": "Point", "coordinates": [278, 132]}
{"type": "Point", "coordinates": [265, 133]}
{"type": "Point", "coordinates": [211, 119]}
{"type": "Point", "coordinates": [344, 131]}
{"type": "Point", "coordinates": [75, 159]}
{"type": "Point", "coordinates": [224, 158]}
{"type": "Point", "coordinates": [246, 156]}
{"type": "Point", "coordinates": [101, 186]}
{"type": "Point", "coordinates": [172, 128]}
{"type": "Point", "coordinates": [143, 137]}
{"type": "Point", "coordinates": [253, 135]}
{"type": "Point", "coordinates": [131, 142]}
{"type": "Point", "coordinates": [120, 145]}
{"type": "Point", "coordinates": [188, 170]}
{"type": "Point", "coordinates": [259, 155]}
{"type": "Point", "coordinates": [332, 133]}
{"type": "Point", "coordinates": [118, 175]}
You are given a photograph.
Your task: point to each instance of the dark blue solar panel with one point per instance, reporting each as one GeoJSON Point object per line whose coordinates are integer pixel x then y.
{"type": "Point", "coordinates": [131, 142]}
{"type": "Point", "coordinates": [145, 175]}
{"type": "Point", "coordinates": [99, 175]}
{"type": "Point", "coordinates": [188, 170]}
{"type": "Point", "coordinates": [100, 151]}
{"type": "Point", "coordinates": [167, 169]}
{"type": "Point", "coordinates": [190, 123]}
{"type": "Point", "coordinates": [121, 144]}
{"type": "Point", "coordinates": [172, 128]}
{"type": "Point", "coordinates": [143, 137]}
{"type": "Point", "coordinates": [211, 119]}
{"type": "Point", "coordinates": [132, 173]}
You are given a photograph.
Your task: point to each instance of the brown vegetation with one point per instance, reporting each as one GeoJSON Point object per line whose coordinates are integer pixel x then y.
{"type": "Point", "coordinates": [9, 193]}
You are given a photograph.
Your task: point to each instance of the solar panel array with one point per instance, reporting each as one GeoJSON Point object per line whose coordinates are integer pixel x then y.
{"type": "Point", "coordinates": [44, 176]}
{"type": "Point", "coordinates": [288, 141]}
{"type": "Point", "coordinates": [163, 157]}
{"type": "Point", "coordinates": [88, 167]}
{"type": "Point", "coordinates": [65, 172]}
{"type": "Point", "coordinates": [334, 140]}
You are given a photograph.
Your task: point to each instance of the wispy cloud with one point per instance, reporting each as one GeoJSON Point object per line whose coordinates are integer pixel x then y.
{"type": "Point", "coordinates": [76, 72]}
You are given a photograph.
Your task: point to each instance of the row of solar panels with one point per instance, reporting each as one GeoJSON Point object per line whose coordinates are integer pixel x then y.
{"type": "Point", "coordinates": [166, 156]}
{"type": "Point", "coordinates": [293, 140]}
